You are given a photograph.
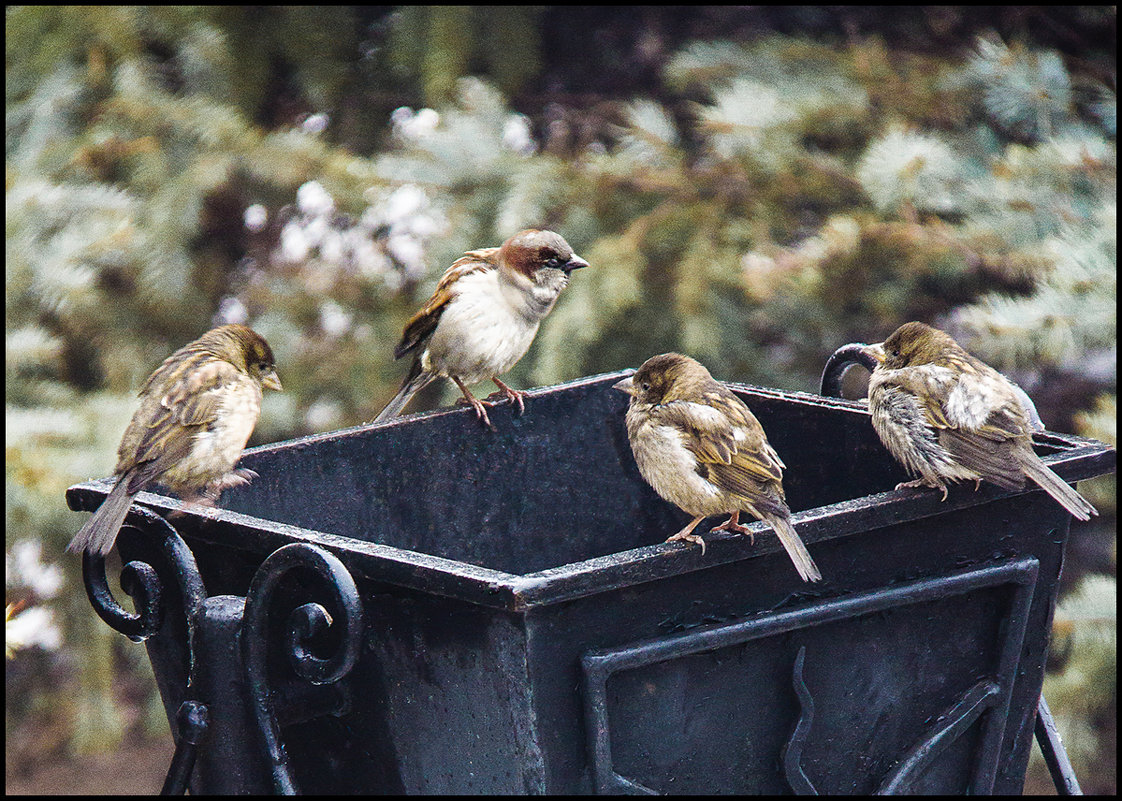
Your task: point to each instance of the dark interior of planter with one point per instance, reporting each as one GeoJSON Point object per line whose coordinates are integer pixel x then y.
{"type": "Point", "coordinates": [555, 486]}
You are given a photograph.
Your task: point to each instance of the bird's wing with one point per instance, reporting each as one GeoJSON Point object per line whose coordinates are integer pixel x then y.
{"type": "Point", "coordinates": [423, 323]}
{"type": "Point", "coordinates": [981, 423]}
{"type": "Point", "coordinates": [182, 400]}
{"type": "Point", "coordinates": [993, 459]}
{"type": "Point", "coordinates": [729, 444]}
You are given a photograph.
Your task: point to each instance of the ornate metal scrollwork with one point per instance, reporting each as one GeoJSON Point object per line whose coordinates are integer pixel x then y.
{"type": "Point", "coordinates": [951, 725]}
{"type": "Point", "coordinates": [140, 581]}
{"type": "Point", "coordinates": [304, 623]}
{"type": "Point", "coordinates": [836, 365]}
{"type": "Point", "coordinates": [793, 751]}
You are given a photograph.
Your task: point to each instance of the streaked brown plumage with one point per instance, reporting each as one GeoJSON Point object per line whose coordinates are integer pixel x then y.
{"type": "Point", "coordinates": [950, 417]}
{"type": "Point", "coordinates": [483, 317]}
{"type": "Point", "coordinates": [701, 448]}
{"type": "Point", "coordinates": [196, 413]}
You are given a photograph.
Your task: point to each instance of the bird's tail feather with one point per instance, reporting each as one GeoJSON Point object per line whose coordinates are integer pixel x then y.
{"type": "Point", "coordinates": [1055, 486]}
{"type": "Point", "coordinates": [794, 547]}
{"type": "Point", "coordinates": [100, 531]}
{"type": "Point", "coordinates": [415, 380]}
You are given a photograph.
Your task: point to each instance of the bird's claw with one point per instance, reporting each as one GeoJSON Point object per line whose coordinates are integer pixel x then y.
{"type": "Point", "coordinates": [922, 483]}
{"type": "Point", "coordinates": [480, 406]}
{"type": "Point", "coordinates": [481, 412]}
{"type": "Point", "coordinates": [738, 528]}
{"type": "Point", "coordinates": [235, 478]}
{"type": "Point", "coordinates": [475, 403]}
{"type": "Point", "coordinates": [694, 538]}
{"type": "Point", "coordinates": [494, 399]}
{"type": "Point", "coordinates": [515, 396]}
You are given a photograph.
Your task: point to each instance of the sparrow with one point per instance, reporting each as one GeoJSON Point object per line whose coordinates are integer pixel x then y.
{"type": "Point", "coordinates": [948, 416]}
{"type": "Point", "coordinates": [483, 316]}
{"type": "Point", "coordinates": [196, 413]}
{"type": "Point", "coordinates": [701, 448]}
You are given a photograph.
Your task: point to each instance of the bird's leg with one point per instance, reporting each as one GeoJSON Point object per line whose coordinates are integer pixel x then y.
{"type": "Point", "coordinates": [923, 482]}
{"type": "Point", "coordinates": [687, 534]}
{"type": "Point", "coordinates": [514, 395]}
{"type": "Point", "coordinates": [733, 524]}
{"type": "Point", "coordinates": [236, 478]}
{"type": "Point", "coordinates": [476, 404]}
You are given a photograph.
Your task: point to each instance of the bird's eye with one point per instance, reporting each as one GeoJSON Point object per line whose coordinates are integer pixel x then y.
{"type": "Point", "coordinates": [646, 385]}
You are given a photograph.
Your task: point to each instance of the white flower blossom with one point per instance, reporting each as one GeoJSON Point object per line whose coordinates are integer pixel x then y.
{"type": "Point", "coordinates": [255, 217]}
{"type": "Point", "coordinates": [316, 230]}
{"type": "Point", "coordinates": [26, 562]}
{"type": "Point", "coordinates": [408, 252]}
{"type": "Point", "coordinates": [231, 310]}
{"type": "Point", "coordinates": [408, 124]}
{"type": "Point", "coordinates": [516, 135]}
{"type": "Point", "coordinates": [294, 244]}
{"type": "Point", "coordinates": [425, 122]}
{"type": "Point", "coordinates": [403, 203]}
{"type": "Point", "coordinates": [333, 247]}
{"type": "Point", "coordinates": [401, 116]}
{"type": "Point", "coordinates": [313, 199]}
{"type": "Point", "coordinates": [334, 319]}
{"type": "Point", "coordinates": [316, 123]}
{"type": "Point", "coordinates": [369, 259]}
{"type": "Point", "coordinates": [34, 626]}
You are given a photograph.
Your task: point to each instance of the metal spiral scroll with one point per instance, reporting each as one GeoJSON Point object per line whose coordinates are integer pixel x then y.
{"type": "Point", "coordinates": [304, 622]}
{"type": "Point", "coordinates": [140, 581]}
{"type": "Point", "coordinates": [837, 363]}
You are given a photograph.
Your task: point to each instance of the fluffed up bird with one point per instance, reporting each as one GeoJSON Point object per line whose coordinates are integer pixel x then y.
{"type": "Point", "coordinates": [701, 448]}
{"type": "Point", "coordinates": [948, 417]}
{"type": "Point", "coordinates": [483, 316]}
{"type": "Point", "coordinates": [196, 413]}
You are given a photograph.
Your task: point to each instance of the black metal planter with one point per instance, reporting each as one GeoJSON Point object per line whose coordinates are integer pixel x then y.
{"type": "Point", "coordinates": [516, 624]}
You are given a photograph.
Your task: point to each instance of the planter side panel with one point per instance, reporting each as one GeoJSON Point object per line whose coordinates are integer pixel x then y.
{"type": "Point", "coordinates": [880, 678]}
{"type": "Point", "coordinates": [452, 681]}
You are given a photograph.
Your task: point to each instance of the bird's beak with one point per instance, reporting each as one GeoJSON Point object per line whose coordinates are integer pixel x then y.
{"type": "Point", "coordinates": [876, 351]}
{"type": "Point", "coordinates": [271, 381]}
{"type": "Point", "coordinates": [626, 385]}
{"type": "Point", "coordinates": [575, 263]}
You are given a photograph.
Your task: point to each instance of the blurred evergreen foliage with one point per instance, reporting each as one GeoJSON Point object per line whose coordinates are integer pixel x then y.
{"type": "Point", "coordinates": [771, 198]}
{"type": "Point", "coordinates": [434, 46]}
{"type": "Point", "coordinates": [1084, 689]}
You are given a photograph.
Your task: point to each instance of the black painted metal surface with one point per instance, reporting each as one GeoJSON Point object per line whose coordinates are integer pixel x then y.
{"type": "Point", "coordinates": [525, 629]}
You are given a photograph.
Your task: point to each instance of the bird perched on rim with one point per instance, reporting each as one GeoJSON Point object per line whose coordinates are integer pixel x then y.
{"type": "Point", "coordinates": [701, 448]}
{"type": "Point", "coordinates": [948, 417]}
{"type": "Point", "coordinates": [196, 413]}
{"type": "Point", "coordinates": [483, 316]}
